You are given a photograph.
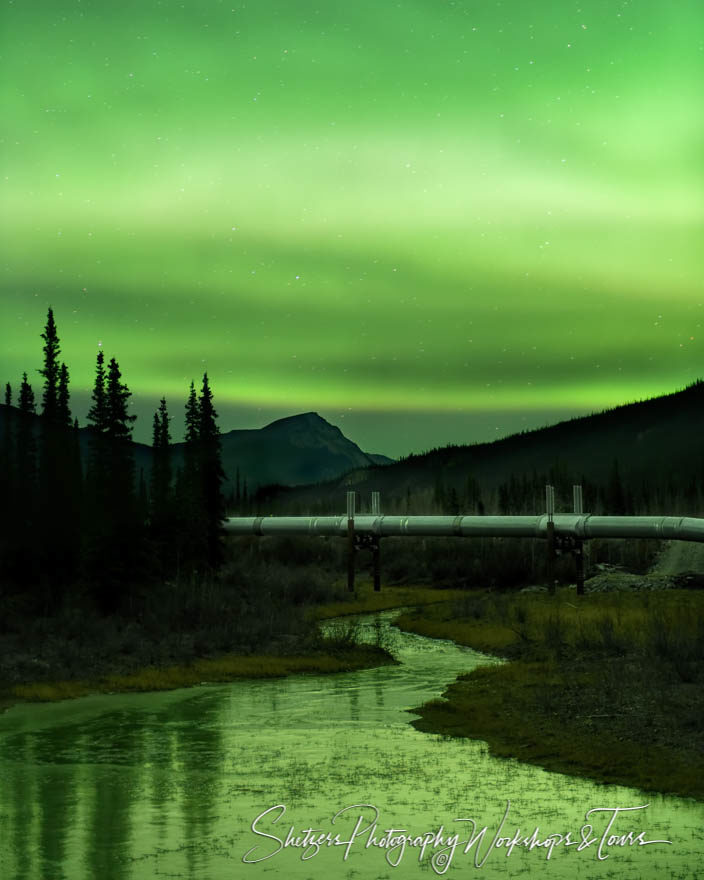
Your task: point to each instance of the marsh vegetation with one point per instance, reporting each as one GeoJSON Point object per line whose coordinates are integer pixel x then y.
{"type": "Point", "coordinates": [610, 685]}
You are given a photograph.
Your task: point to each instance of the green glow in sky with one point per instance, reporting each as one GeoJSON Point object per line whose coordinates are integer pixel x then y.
{"type": "Point", "coordinates": [431, 222]}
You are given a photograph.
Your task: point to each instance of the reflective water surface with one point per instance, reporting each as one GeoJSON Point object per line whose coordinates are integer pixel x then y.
{"type": "Point", "coordinates": [125, 787]}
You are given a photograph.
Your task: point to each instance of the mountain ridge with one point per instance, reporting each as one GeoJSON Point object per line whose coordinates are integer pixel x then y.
{"type": "Point", "coordinates": [300, 449]}
{"type": "Point", "coordinates": [653, 441]}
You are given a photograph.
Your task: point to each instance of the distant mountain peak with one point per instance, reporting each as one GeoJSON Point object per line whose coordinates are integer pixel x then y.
{"type": "Point", "coordinates": [299, 449]}
{"type": "Point", "coordinates": [309, 419]}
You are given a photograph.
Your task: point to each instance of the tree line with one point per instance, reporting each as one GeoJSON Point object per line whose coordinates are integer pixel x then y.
{"type": "Point", "coordinates": [524, 494]}
{"type": "Point", "coordinates": [84, 523]}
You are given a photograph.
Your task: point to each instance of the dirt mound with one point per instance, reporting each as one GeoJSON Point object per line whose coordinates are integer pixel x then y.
{"type": "Point", "coordinates": [623, 581]}
{"type": "Point", "coordinates": [680, 557]}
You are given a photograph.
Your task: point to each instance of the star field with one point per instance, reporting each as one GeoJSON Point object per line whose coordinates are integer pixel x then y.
{"type": "Point", "coordinates": [431, 222]}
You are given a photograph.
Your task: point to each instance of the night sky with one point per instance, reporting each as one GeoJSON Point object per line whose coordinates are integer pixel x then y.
{"type": "Point", "coordinates": [431, 222]}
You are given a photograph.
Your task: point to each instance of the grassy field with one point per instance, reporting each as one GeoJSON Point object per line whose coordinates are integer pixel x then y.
{"type": "Point", "coordinates": [609, 685]}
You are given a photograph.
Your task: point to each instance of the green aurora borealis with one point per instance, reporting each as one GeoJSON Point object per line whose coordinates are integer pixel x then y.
{"type": "Point", "coordinates": [429, 221]}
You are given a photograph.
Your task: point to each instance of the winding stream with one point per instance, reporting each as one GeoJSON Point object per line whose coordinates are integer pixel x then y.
{"type": "Point", "coordinates": [130, 787]}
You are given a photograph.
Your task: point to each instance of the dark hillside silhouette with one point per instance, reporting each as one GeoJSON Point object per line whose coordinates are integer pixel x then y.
{"type": "Point", "coordinates": [655, 443]}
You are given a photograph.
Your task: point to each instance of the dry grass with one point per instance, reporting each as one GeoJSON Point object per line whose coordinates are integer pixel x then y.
{"type": "Point", "coordinates": [610, 686]}
{"type": "Point", "coordinates": [364, 599]}
{"type": "Point", "coordinates": [220, 669]}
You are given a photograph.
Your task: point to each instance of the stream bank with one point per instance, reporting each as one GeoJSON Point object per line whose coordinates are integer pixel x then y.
{"type": "Point", "coordinates": [114, 657]}
{"type": "Point", "coordinates": [608, 686]}
{"type": "Point", "coordinates": [143, 785]}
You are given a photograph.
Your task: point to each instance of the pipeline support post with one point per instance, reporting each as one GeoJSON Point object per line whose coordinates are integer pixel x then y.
{"type": "Point", "coordinates": [550, 530]}
{"type": "Point", "coordinates": [376, 565]}
{"type": "Point", "coordinates": [376, 561]}
{"type": "Point", "coordinates": [350, 541]}
{"type": "Point", "coordinates": [578, 504]}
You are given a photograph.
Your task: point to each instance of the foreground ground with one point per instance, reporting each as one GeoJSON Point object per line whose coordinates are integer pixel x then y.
{"type": "Point", "coordinates": [609, 685]}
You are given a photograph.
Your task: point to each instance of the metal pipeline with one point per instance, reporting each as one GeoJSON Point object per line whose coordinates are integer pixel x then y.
{"type": "Point", "coordinates": [577, 525]}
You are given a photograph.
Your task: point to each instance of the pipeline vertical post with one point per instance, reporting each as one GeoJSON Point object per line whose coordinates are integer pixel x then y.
{"type": "Point", "coordinates": [350, 541]}
{"type": "Point", "coordinates": [578, 505]}
{"type": "Point", "coordinates": [550, 529]}
{"type": "Point", "coordinates": [376, 541]}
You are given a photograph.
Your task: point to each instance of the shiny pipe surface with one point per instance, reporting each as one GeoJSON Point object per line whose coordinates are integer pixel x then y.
{"type": "Point", "coordinates": [578, 525]}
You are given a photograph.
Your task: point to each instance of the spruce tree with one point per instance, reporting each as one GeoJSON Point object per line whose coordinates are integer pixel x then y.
{"type": "Point", "coordinates": [120, 454]}
{"type": "Point", "coordinates": [77, 474]}
{"type": "Point", "coordinates": [97, 414]}
{"type": "Point", "coordinates": [23, 528]}
{"type": "Point", "coordinates": [164, 454]}
{"type": "Point", "coordinates": [192, 432]}
{"type": "Point", "coordinates": [154, 478]}
{"type": "Point", "coordinates": [6, 451]}
{"type": "Point", "coordinates": [58, 490]}
{"type": "Point", "coordinates": [51, 369]}
{"type": "Point", "coordinates": [118, 421]}
{"type": "Point", "coordinates": [97, 525]}
{"type": "Point", "coordinates": [71, 490]}
{"type": "Point", "coordinates": [7, 487]}
{"type": "Point", "coordinates": [212, 476]}
{"type": "Point", "coordinates": [115, 548]}
{"type": "Point", "coordinates": [96, 471]}
{"type": "Point", "coordinates": [190, 517]}
{"type": "Point", "coordinates": [161, 502]}
{"type": "Point", "coordinates": [26, 447]}
{"type": "Point", "coordinates": [63, 412]}
{"type": "Point", "coordinates": [155, 482]}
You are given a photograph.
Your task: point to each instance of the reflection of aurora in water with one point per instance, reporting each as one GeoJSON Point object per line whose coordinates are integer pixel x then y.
{"type": "Point", "coordinates": [150, 785]}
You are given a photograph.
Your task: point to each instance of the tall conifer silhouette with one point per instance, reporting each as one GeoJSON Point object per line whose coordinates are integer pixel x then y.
{"type": "Point", "coordinates": [97, 414]}
{"type": "Point", "coordinates": [116, 540]}
{"type": "Point", "coordinates": [7, 481]}
{"type": "Point", "coordinates": [63, 412]}
{"type": "Point", "coordinates": [51, 370]}
{"type": "Point", "coordinates": [26, 446]}
{"type": "Point", "coordinates": [97, 466]}
{"type": "Point", "coordinates": [212, 477]}
{"type": "Point", "coordinates": [20, 472]}
{"type": "Point", "coordinates": [163, 470]}
{"type": "Point", "coordinates": [189, 501]}
{"type": "Point", "coordinates": [23, 526]}
{"type": "Point", "coordinates": [191, 463]}
{"type": "Point", "coordinates": [161, 501]}
{"type": "Point", "coordinates": [57, 482]}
